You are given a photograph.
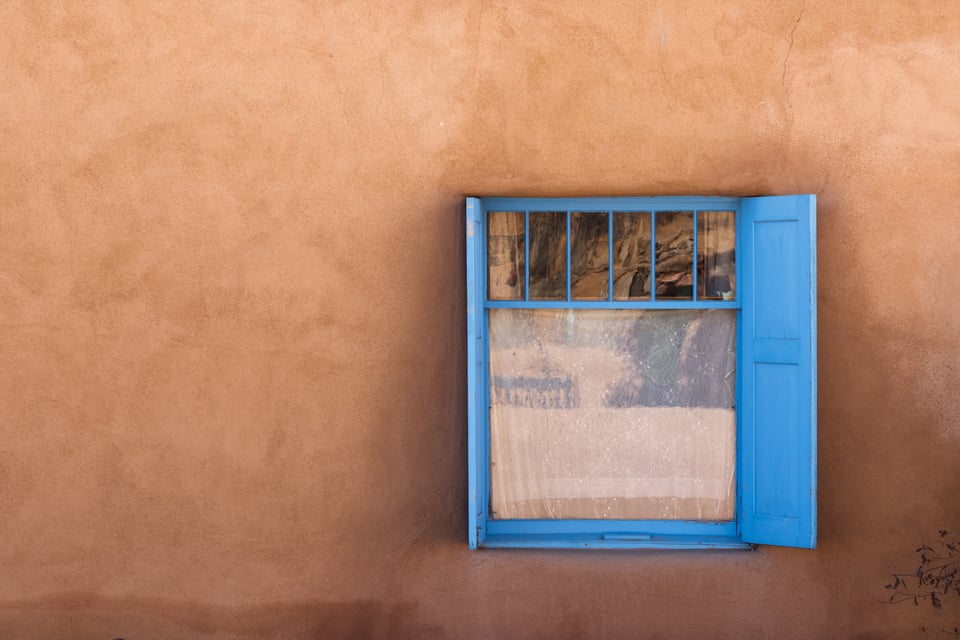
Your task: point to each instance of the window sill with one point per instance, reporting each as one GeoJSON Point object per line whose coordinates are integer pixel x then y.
{"type": "Point", "coordinates": [611, 541]}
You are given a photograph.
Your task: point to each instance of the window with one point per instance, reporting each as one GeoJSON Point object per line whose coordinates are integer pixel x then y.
{"type": "Point", "coordinates": [642, 372]}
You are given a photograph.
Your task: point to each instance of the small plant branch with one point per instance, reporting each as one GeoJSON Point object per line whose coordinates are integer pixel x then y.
{"type": "Point", "coordinates": [937, 576]}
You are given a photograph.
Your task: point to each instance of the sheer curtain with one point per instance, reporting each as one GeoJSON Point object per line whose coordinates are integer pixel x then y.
{"type": "Point", "coordinates": [621, 414]}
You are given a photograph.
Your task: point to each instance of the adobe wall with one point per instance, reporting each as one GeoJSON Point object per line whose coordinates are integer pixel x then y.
{"type": "Point", "coordinates": [232, 392]}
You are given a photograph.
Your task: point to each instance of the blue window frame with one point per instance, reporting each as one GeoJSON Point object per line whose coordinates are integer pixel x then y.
{"type": "Point", "coordinates": [775, 390]}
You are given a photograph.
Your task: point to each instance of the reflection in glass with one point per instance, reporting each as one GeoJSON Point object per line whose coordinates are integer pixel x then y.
{"type": "Point", "coordinates": [716, 239]}
{"type": "Point", "coordinates": [612, 413]}
{"type": "Point", "coordinates": [674, 269]}
{"type": "Point", "coordinates": [548, 255]}
{"type": "Point", "coordinates": [589, 256]}
{"type": "Point", "coordinates": [505, 255]}
{"type": "Point", "coordinates": [631, 255]}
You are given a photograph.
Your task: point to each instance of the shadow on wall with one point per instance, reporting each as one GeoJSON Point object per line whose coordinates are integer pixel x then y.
{"type": "Point", "coordinates": [96, 617]}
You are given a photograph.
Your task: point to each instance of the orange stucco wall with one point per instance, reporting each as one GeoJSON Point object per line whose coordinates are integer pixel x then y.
{"type": "Point", "coordinates": [232, 388]}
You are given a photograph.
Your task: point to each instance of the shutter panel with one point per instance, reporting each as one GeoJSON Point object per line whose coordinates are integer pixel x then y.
{"type": "Point", "coordinates": [476, 378]}
{"type": "Point", "coordinates": [778, 371]}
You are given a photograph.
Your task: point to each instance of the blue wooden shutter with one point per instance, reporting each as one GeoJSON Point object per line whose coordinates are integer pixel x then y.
{"type": "Point", "coordinates": [476, 375]}
{"type": "Point", "coordinates": [778, 371]}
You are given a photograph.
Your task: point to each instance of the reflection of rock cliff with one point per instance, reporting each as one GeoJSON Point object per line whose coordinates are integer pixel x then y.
{"type": "Point", "coordinates": [631, 255]}
{"type": "Point", "coordinates": [505, 255]}
{"type": "Point", "coordinates": [548, 255]}
{"type": "Point", "coordinates": [590, 259]}
{"type": "Point", "coordinates": [674, 243]}
{"type": "Point", "coordinates": [589, 267]}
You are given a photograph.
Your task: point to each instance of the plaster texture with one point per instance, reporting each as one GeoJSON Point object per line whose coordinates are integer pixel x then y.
{"type": "Point", "coordinates": [232, 392]}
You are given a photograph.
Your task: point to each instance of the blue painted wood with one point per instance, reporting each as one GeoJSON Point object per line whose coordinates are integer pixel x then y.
{"type": "Point", "coordinates": [776, 379]}
{"type": "Point", "coordinates": [777, 409]}
{"type": "Point", "coordinates": [476, 378]}
{"type": "Point", "coordinates": [600, 541]}
{"type": "Point", "coordinates": [639, 203]}
{"type": "Point", "coordinates": [583, 527]}
{"type": "Point", "coordinates": [653, 256]}
{"type": "Point", "coordinates": [569, 266]}
{"type": "Point", "coordinates": [526, 255]}
{"type": "Point", "coordinates": [610, 255]}
{"type": "Point", "coordinates": [696, 262]}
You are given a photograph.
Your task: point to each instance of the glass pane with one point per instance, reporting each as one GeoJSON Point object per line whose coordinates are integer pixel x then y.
{"type": "Point", "coordinates": [716, 263]}
{"type": "Point", "coordinates": [612, 413]}
{"type": "Point", "coordinates": [548, 255]}
{"type": "Point", "coordinates": [631, 255]}
{"type": "Point", "coordinates": [589, 256]}
{"type": "Point", "coordinates": [674, 255]}
{"type": "Point", "coordinates": [505, 255]}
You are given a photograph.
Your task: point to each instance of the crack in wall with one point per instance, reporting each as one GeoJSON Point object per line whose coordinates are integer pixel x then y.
{"type": "Point", "coordinates": [793, 31]}
{"type": "Point", "coordinates": [783, 72]}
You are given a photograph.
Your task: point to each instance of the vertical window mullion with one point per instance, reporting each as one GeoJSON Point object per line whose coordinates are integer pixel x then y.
{"type": "Point", "coordinates": [653, 256]}
{"type": "Point", "coordinates": [568, 257]}
{"type": "Point", "coordinates": [526, 256]}
{"type": "Point", "coordinates": [609, 255]}
{"type": "Point", "coordinates": [696, 261]}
